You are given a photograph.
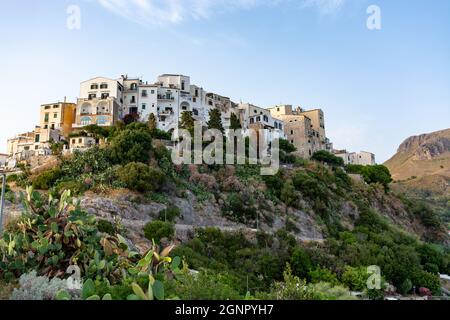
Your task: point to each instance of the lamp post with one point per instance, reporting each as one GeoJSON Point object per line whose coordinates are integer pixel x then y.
{"type": "Point", "coordinates": [2, 203]}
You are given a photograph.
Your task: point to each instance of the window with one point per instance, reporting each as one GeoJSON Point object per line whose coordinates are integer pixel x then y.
{"type": "Point", "coordinates": [92, 96]}
{"type": "Point", "coordinates": [266, 118]}
{"type": "Point", "coordinates": [196, 92]}
{"type": "Point", "coordinates": [73, 140]}
{"type": "Point", "coordinates": [46, 126]}
{"type": "Point", "coordinates": [258, 119]}
{"type": "Point", "coordinates": [133, 99]}
{"type": "Point", "coordinates": [36, 147]}
{"type": "Point", "coordinates": [194, 99]}
{"type": "Point", "coordinates": [85, 121]}
{"type": "Point", "coordinates": [278, 109]}
{"type": "Point", "coordinates": [105, 95]}
{"type": "Point", "coordinates": [152, 92]}
{"type": "Point", "coordinates": [53, 126]}
{"type": "Point", "coordinates": [102, 120]}
{"type": "Point", "coordinates": [292, 141]}
{"type": "Point", "coordinates": [94, 86]}
{"type": "Point", "coordinates": [252, 120]}
{"type": "Point", "coordinates": [80, 140]}
{"type": "Point", "coordinates": [104, 86]}
{"type": "Point", "coordinates": [182, 85]}
{"type": "Point", "coordinates": [144, 106]}
{"type": "Point", "coordinates": [210, 103]}
{"type": "Point", "coordinates": [255, 111]}
{"type": "Point", "coordinates": [280, 126]}
{"type": "Point", "coordinates": [37, 138]}
{"type": "Point", "coordinates": [133, 86]}
{"type": "Point", "coordinates": [55, 115]}
{"type": "Point", "coordinates": [292, 131]}
{"type": "Point", "coordinates": [55, 106]}
{"type": "Point", "coordinates": [47, 107]}
{"type": "Point", "coordinates": [46, 117]}
{"type": "Point", "coordinates": [144, 93]}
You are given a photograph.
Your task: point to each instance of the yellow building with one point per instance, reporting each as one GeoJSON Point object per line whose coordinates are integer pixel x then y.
{"type": "Point", "coordinates": [58, 116]}
{"type": "Point", "coordinates": [304, 129]}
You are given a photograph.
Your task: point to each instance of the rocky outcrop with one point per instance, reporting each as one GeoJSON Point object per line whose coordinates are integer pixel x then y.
{"type": "Point", "coordinates": [421, 156]}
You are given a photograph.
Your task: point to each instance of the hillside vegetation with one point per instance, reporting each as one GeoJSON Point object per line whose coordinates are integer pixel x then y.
{"type": "Point", "coordinates": [358, 224]}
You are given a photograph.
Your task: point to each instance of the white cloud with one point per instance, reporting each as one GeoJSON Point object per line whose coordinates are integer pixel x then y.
{"type": "Point", "coordinates": [325, 6]}
{"type": "Point", "coordinates": [164, 12]}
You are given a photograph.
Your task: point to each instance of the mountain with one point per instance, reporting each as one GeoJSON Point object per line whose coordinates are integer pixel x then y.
{"type": "Point", "coordinates": [423, 160]}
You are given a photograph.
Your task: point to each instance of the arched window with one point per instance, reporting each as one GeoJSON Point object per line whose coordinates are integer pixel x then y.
{"type": "Point", "coordinates": [85, 121]}
{"type": "Point", "coordinates": [86, 108]}
{"type": "Point", "coordinates": [102, 120]}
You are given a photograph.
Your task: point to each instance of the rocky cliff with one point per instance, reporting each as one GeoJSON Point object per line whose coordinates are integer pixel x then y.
{"type": "Point", "coordinates": [422, 156]}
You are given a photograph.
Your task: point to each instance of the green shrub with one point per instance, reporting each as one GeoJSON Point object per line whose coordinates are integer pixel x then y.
{"type": "Point", "coordinates": [92, 161]}
{"type": "Point", "coordinates": [377, 174]}
{"type": "Point", "coordinates": [105, 226]}
{"type": "Point", "coordinates": [240, 207]}
{"type": "Point", "coordinates": [206, 286]}
{"type": "Point", "coordinates": [156, 230]}
{"type": "Point", "coordinates": [427, 280]}
{"type": "Point", "coordinates": [329, 158]}
{"type": "Point", "coordinates": [323, 275]}
{"type": "Point", "coordinates": [140, 177]}
{"type": "Point", "coordinates": [169, 214]}
{"type": "Point", "coordinates": [301, 263]}
{"type": "Point", "coordinates": [131, 146]}
{"type": "Point", "coordinates": [76, 187]}
{"type": "Point", "coordinates": [47, 179]}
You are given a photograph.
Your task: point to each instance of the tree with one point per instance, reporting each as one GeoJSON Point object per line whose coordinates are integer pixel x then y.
{"type": "Point", "coordinates": [377, 174]}
{"type": "Point", "coordinates": [152, 123]}
{"type": "Point", "coordinates": [235, 123]}
{"type": "Point", "coordinates": [329, 158]}
{"type": "Point", "coordinates": [131, 146]}
{"type": "Point", "coordinates": [215, 120]}
{"type": "Point", "coordinates": [130, 118]}
{"type": "Point", "coordinates": [286, 146]}
{"type": "Point", "coordinates": [187, 121]}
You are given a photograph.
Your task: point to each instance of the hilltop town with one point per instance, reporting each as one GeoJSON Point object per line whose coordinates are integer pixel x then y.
{"type": "Point", "coordinates": [320, 222]}
{"type": "Point", "coordinates": [104, 102]}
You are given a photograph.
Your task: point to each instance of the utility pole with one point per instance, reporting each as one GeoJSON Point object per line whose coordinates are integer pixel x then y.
{"type": "Point", "coordinates": [2, 203]}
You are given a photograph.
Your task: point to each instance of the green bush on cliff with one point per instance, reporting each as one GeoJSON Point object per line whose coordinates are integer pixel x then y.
{"type": "Point", "coordinates": [141, 177]}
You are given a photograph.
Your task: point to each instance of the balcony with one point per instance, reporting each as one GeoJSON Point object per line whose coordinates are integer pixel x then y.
{"type": "Point", "coordinates": [165, 98]}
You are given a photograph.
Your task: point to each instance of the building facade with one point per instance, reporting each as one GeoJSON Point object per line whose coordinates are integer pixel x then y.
{"type": "Point", "coordinates": [304, 129]}
{"type": "Point", "coordinates": [58, 116]}
{"type": "Point", "coordinates": [362, 158]}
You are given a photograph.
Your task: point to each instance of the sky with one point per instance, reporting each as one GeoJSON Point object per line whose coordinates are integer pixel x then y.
{"type": "Point", "coordinates": [376, 87]}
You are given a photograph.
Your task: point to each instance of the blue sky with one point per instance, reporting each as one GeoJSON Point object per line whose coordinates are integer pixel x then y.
{"type": "Point", "coordinates": [376, 87]}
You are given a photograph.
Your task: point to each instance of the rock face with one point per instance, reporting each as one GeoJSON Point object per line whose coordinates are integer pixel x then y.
{"type": "Point", "coordinates": [135, 213]}
{"type": "Point", "coordinates": [421, 156]}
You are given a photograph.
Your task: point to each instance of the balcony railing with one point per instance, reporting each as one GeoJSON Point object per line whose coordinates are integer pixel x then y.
{"type": "Point", "coordinates": [160, 97]}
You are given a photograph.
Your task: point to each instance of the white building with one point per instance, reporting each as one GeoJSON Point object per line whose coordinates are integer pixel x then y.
{"type": "Point", "coordinates": [81, 143]}
{"type": "Point", "coordinates": [362, 158]}
{"type": "Point", "coordinates": [253, 117]}
{"type": "Point", "coordinates": [3, 158]}
{"type": "Point", "coordinates": [100, 102]}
